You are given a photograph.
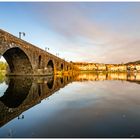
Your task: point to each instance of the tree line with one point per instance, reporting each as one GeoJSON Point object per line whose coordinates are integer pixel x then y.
{"type": "Point", "coordinates": [3, 66]}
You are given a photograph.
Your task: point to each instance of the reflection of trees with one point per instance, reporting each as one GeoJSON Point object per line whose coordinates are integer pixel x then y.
{"type": "Point", "coordinates": [3, 66]}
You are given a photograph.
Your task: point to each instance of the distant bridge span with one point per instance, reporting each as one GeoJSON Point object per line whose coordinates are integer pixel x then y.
{"type": "Point", "coordinates": [24, 58]}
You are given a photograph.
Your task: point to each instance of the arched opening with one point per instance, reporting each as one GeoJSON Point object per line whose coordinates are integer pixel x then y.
{"type": "Point", "coordinates": [50, 67]}
{"type": "Point", "coordinates": [18, 61]}
{"type": "Point", "coordinates": [62, 67]}
{"type": "Point", "coordinates": [39, 61]}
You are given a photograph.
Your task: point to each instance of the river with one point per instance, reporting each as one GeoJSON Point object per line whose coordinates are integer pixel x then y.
{"type": "Point", "coordinates": [87, 105]}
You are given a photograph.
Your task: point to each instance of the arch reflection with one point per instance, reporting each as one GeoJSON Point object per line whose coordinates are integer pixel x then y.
{"type": "Point", "coordinates": [17, 91]}
{"type": "Point", "coordinates": [25, 92]}
{"type": "Point", "coordinates": [50, 82]}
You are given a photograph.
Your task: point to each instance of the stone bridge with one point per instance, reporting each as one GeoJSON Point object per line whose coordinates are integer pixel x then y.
{"type": "Point", "coordinates": [25, 92]}
{"type": "Point", "coordinates": [24, 58]}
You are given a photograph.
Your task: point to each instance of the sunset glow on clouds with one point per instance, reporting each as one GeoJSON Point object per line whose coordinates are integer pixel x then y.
{"type": "Point", "coordinates": [79, 31]}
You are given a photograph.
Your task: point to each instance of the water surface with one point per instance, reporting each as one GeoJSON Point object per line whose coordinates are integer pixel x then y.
{"type": "Point", "coordinates": [86, 105]}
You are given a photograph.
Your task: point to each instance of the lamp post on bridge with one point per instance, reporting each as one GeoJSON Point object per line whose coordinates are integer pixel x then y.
{"type": "Point", "coordinates": [21, 117]}
{"type": "Point", "coordinates": [21, 33]}
{"type": "Point", "coordinates": [57, 54]}
{"type": "Point", "coordinates": [46, 49]}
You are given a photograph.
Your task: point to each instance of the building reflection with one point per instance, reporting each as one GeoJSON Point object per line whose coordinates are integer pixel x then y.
{"type": "Point", "coordinates": [133, 77]}
{"type": "Point", "coordinates": [25, 92]}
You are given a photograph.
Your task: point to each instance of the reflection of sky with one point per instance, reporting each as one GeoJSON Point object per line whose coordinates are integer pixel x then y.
{"type": "Point", "coordinates": [92, 108]}
{"type": "Point", "coordinates": [3, 88]}
{"type": "Point", "coordinates": [97, 32]}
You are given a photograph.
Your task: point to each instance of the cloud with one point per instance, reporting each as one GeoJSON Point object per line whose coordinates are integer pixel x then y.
{"type": "Point", "coordinates": [103, 32]}
{"type": "Point", "coordinates": [128, 51]}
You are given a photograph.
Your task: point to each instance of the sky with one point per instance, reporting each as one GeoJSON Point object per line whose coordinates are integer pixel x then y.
{"type": "Point", "coordinates": [98, 32]}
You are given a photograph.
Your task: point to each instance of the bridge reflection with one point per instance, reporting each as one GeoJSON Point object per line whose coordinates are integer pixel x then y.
{"type": "Point", "coordinates": [25, 92]}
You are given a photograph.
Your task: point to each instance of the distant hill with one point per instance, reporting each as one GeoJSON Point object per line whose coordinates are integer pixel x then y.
{"type": "Point", "coordinates": [135, 62]}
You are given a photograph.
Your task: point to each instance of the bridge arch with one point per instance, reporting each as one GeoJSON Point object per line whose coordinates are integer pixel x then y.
{"type": "Point", "coordinates": [18, 61]}
{"type": "Point", "coordinates": [62, 66]}
{"type": "Point", "coordinates": [50, 67]}
{"type": "Point", "coordinates": [39, 61]}
{"type": "Point", "coordinates": [67, 68]}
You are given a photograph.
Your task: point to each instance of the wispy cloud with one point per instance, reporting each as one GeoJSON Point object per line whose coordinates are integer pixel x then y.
{"type": "Point", "coordinates": [103, 32]}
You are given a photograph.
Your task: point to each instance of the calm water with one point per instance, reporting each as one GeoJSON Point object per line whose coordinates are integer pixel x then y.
{"type": "Point", "coordinates": [86, 105]}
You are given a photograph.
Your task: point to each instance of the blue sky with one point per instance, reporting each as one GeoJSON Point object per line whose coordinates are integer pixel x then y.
{"type": "Point", "coordinates": [104, 32]}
